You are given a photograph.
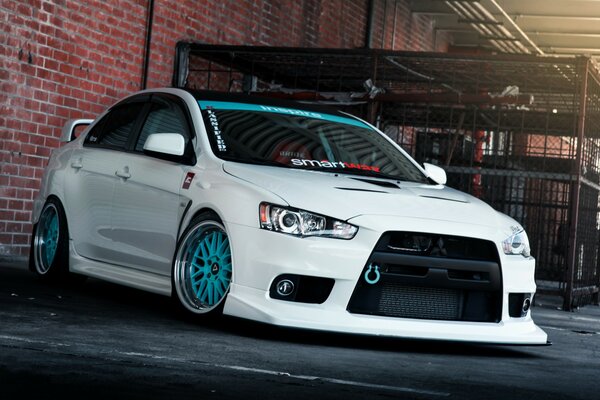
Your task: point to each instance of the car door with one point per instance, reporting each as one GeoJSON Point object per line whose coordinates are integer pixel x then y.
{"type": "Point", "coordinates": [91, 179]}
{"type": "Point", "coordinates": [147, 196]}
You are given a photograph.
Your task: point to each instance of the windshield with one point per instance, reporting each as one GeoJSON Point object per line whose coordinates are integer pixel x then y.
{"type": "Point", "coordinates": [300, 139]}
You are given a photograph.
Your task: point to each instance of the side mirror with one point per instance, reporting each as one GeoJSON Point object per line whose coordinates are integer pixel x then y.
{"type": "Point", "coordinates": [435, 173]}
{"type": "Point", "coordinates": [165, 144]}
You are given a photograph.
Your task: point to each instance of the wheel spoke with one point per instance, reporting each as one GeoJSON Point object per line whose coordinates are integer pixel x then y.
{"type": "Point", "coordinates": [227, 252]}
{"type": "Point", "coordinates": [200, 252]}
{"type": "Point", "coordinates": [218, 293]}
{"type": "Point", "coordinates": [219, 289]}
{"type": "Point", "coordinates": [209, 292]}
{"type": "Point", "coordinates": [213, 243]}
{"type": "Point", "coordinates": [201, 293]}
{"type": "Point", "coordinates": [194, 268]}
{"type": "Point", "coordinates": [226, 267]}
{"type": "Point", "coordinates": [219, 241]}
{"type": "Point", "coordinates": [195, 274]}
{"type": "Point", "coordinates": [223, 249]}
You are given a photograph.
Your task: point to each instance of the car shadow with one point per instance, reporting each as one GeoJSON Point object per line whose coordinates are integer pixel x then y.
{"type": "Point", "coordinates": [263, 331]}
{"type": "Point", "coordinates": [124, 301]}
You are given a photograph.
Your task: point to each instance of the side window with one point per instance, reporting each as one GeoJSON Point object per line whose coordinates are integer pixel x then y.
{"type": "Point", "coordinates": [114, 129]}
{"type": "Point", "coordinates": [164, 117]}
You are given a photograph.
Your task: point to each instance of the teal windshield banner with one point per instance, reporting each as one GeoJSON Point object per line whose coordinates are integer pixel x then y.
{"type": "Point", "coordinates": [226, 105]}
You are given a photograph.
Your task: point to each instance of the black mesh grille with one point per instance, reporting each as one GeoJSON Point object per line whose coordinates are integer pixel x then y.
{"type": "Point", "coordinates": [419, 302]}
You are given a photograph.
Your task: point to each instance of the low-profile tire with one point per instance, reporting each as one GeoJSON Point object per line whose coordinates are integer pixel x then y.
{"type": "Point", "coordinates": [202, 267]}
{"type": "Point", "coordinates": [49, 252]}
{"type": "Point", "coordinates": [49, 244]}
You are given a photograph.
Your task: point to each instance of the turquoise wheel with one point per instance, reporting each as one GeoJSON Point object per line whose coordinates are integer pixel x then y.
{"type": "Point", "coordinates": [46, 239]}
{"type": "Point", "coordinates": [202, 270]}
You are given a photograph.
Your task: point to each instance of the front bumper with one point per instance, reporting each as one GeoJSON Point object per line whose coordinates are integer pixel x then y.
{"type": "Point", "coordinates": [260, 256]}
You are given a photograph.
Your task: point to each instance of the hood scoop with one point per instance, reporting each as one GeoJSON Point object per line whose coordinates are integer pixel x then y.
{"type": "Point", "coordinates": [385, 184]}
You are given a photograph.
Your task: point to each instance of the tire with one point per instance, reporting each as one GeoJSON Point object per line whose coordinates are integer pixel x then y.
{"type": "Point", "coordinates": [49, 244]}
{"type": "Point", "coordinates": [49, 252]}
{"type": "Point", "coordinates": [202, 267]}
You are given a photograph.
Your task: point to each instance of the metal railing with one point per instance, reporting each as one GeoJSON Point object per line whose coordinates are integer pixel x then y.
{"type": "Point", "coordinates": [520, 132]}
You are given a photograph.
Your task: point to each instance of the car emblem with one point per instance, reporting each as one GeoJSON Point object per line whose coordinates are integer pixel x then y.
{"type": "Point", "coordinates": [285, 287]}
{"type": "Point", "coordinates": [188, 180]}
{"type": "Point", "coordinates": [439, 249]}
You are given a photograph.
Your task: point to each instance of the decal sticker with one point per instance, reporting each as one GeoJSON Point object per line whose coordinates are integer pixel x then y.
{"type": "Point", "coordinates": [212, 117]}
{"type": "Point", "coordinates": [226, 105]}
{"type": "Point", "coordinates": [332, 164]}
{"type": "Point", "coordinates": [284, 154]}
{"type": "Point", "coordinates": [292, 111]}
{"type": "Point", "coordinates": [188, 180]}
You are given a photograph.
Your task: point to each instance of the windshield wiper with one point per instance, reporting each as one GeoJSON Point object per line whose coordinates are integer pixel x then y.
{"type": "Point", "coordinates": [354, 171]}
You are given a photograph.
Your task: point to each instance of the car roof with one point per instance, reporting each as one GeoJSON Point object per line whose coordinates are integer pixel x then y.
{"type": "Point", "coordinates": [262, 100]}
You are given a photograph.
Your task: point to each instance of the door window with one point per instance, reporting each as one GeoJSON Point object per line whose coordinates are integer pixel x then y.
{"type": "Point", "coordinates": [164, 117]}
{"type": "Point", "coordinates": [114, 130]}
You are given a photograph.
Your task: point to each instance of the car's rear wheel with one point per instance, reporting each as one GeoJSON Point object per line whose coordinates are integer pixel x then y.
{"type": "Point", "coordinates": [202, 268]}
{"type": "Point", "coordinates": [49, 255]}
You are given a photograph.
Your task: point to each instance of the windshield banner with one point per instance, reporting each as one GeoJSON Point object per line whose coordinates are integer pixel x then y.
{"type": "Point", "coordinates": [226, 105]}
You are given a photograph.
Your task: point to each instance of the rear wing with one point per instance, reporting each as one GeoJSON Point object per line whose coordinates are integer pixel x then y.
{"type": "Point", "coordinates": [68, 131]}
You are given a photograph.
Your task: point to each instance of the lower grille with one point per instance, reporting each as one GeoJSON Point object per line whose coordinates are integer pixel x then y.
{"type": "Point", "coordinates": [398, 300]}
{"type": "Point", "coordinates": [432, 288]}
{"type": "Point", "coordinates": [419, 302]}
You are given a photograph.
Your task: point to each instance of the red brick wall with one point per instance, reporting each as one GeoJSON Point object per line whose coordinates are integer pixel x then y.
{"type": "Point", "coordinates": [65, 59]}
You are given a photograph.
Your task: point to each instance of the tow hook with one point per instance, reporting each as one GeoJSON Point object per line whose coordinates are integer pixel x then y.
{"type": "Point", "coordinates": [372, 270]}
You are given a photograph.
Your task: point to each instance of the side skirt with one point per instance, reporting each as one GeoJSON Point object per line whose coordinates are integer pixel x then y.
{"type": "Point", "coordinates": [134, 278]}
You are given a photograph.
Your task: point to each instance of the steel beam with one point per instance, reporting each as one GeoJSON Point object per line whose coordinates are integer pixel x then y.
{"type": "Point", "coordinates": [572, 259]}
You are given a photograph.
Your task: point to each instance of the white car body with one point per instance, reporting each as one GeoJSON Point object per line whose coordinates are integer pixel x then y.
{"type": "Point", "coordinates": [126, 212]}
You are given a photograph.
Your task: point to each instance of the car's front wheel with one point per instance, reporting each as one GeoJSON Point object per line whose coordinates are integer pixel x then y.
{"type": "Point", "coordinates": [202, 268]}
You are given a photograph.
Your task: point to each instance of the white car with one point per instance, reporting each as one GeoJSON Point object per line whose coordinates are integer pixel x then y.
{"type": "Point", "coordinates": [284, 213]}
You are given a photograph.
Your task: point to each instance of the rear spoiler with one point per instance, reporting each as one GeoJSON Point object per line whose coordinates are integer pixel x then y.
{"type": "Point", "coordinates": [68, 131]}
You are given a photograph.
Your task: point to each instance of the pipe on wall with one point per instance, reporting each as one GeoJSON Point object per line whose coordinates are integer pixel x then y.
{"type": "Point", "coordinates": [370, 24]}
{"type": "Point", "coordinates": [150, 13]}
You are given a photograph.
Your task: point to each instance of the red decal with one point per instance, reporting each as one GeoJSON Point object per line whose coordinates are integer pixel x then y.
{"type": "Point", "coordinates": [188, 180]}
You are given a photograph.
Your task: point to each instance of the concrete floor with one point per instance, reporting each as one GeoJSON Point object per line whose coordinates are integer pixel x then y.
{"type": "Point", "coordinates": [101, 340]}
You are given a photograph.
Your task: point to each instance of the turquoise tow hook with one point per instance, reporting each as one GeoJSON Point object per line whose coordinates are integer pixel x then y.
{"type": "Point", "coordinates": [372, 270]}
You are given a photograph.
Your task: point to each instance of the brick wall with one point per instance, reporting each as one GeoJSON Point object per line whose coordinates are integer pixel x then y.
{"type": "Point", "coordinates": [65, 59]}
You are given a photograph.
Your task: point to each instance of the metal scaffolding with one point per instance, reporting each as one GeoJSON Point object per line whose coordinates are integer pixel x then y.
{"type": "Point", "coordinates": [520, 132]}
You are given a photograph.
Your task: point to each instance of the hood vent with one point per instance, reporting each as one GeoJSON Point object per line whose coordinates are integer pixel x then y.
{"type": "Point", "coordinates": [361, 190]}
{"type": "Point", "coordinates": [386, 184]}
{"type": "Point", "coordinates": [444, 198]}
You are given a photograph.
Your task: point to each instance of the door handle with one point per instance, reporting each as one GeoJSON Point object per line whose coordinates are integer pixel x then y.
{"type": "Point", "coordinates": [77, 164]}
{"type": "Point", "coordinates": [124, 173]}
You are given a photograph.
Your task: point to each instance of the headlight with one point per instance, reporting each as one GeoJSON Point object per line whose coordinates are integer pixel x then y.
{"type": "Point", "coordinates": [303, 223]}
{"type": "Point", "coordinates": [517, 243]}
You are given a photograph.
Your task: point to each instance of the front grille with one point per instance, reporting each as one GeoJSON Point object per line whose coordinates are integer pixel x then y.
{"type": "Point", "coordinates": [429, 276]}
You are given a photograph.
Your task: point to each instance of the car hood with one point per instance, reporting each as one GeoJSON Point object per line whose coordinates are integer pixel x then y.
{"type": "Point", "coordinates": [345, 196]}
